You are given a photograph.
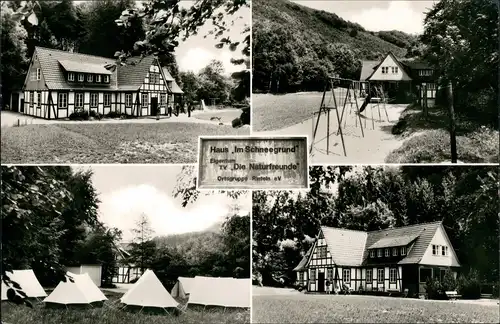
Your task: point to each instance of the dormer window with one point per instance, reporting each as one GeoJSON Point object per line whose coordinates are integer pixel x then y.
{"type": "Point", "coordinates": [97, 78]}
{"type": "Point", "coordinates": [90, 78]}
{"type": "Point", "coordinates": [106, 79]}
{"type": "Point", "coordinates": [71, 76]}
{"type": "Point", "coordinates": [81, 77]}
{"type": "Point", "coordinates": [394, 251]}
{"type": "Point", "coordinates": [372, 253]}
{"type": "Point", "coordinates": [379, 253]}
{"type": "Point", "coordinates": [403, 250]}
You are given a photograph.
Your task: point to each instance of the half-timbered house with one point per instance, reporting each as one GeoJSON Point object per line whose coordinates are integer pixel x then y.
{"type": "Point", "coordinates": [401, 78]}
{"type": "Point", "coordinates": [125, 271]}
{"type": "Point", "coordinates": [60, 83]}
{"type": "Point", "coordinates": [390, 260]}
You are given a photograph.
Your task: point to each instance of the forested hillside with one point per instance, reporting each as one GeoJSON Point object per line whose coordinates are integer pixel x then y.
{"type": "Point", "coordinates": [295, 47]}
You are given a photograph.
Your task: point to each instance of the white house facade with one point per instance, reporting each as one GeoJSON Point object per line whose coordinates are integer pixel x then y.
{"type": "Point", "coordinates": [391, 260]}
{"type": "Point", "coordinates": [60, 83]}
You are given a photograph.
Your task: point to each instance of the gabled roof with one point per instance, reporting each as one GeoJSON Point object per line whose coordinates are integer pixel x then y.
{"type": "Point", "coordinates": [395, 59]}
{"type": "Point", "coordinates": [367, 68]}
{"type": "Point", "coordinates": [126, 77]}
{"type": "Point", "coordinates": [73, 66]}
{"type": "Point", "coordinates": [423, 234]}
{"type": "Point", "coordinates": [176, 88]}
{"type": "Point", "coordinates": [415, 64]}
{"type": "Point", "coordinates": [346, 246]}
{"type": "Point", "coordinates": [53, 71]}
{"type": "Point", "coordinates": [168, 77]}
{"type": "Point", "coordinates": [351, 248]}
{"type": "Point", "coordinates": [303, 263]}
{"type": "Point", "coordinates": [132, 75]}
{"type": "Point", "coordinates": [388, 242]}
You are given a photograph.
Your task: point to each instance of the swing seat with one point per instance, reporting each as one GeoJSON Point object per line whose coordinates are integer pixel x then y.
{"type": "Point", "coordinates": [376, 99]}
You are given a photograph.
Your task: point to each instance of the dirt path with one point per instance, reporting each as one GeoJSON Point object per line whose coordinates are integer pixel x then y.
{"type": "Point", "coordinates": [373, 148]}
{"type": "Point", "coordinates": [9, 118]}
{"type": "Point", "coordinates": [271, 291]}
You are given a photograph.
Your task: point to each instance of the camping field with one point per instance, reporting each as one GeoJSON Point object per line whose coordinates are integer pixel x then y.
{"type": "Point", "coordinates": [301, 308]}
{"type": "Point", "coordinates": [110, 314]}
{"type": "Point", "coordinates": [124, 142]}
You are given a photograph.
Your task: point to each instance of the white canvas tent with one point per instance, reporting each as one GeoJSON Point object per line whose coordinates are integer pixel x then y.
{"type": "Point", "coordinates": [28, 282]}
{"type": "Point", "coordinates": [148, 291]}
{"type": "Point", "coordinates": [183, 287]}
{"type": "Point", "coordinates": [82, 291]}
{"type": "Point", "coordinates": [225, 292]}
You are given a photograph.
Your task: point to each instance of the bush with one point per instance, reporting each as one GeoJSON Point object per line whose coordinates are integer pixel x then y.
{"type": "Point", "coordinates": [494, 293]}
{"type": "Point", "coordinates": [95, 114]}
{"type": "Point", "coordinates": [435, 290]}
{"type": "Point", "coordinates": [116, 114]}
{"type": "Point", "coordinates": [113, 114]}
{"type": "Point", "coordinates": [400, 127]}
{"type": "Point", "coordinates": [449, 282]}
{"type": "Point", "coordinates": [79, 115]}
{"type": "Point", "coordinates": [469, 285]}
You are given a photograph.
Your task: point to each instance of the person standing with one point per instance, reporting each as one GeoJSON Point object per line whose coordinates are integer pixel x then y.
{"type": "Point", "coordinates": [327, 286]}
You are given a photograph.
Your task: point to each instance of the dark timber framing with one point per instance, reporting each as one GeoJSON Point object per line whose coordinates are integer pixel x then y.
{"type": "Point", "coordinates": [44, 102]}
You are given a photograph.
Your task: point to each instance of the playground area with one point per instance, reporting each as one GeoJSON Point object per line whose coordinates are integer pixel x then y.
{"type": "Point", "coordinates": [364, 135]}
{"type": "Point", "coordinates": [281, 305]}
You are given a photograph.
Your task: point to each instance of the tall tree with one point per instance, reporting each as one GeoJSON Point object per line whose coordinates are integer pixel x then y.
{"type": "Point", "coordinates": [461, 39]}
{"type": "Point", "coordinates": [213, 83]}
{"type": "Point", "coordinates": [143, 248]}
{"type": "Point", "coordinates": [13, 53]}
{"type": "Point", "coordinates": [101, 15]}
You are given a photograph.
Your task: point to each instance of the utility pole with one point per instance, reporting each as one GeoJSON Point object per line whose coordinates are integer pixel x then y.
{"type": "Point", "coordinates": [453, 135]}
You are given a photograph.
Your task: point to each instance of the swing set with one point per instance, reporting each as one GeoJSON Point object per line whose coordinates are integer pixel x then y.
{"type": "Point", "coordinates": [344, 92]}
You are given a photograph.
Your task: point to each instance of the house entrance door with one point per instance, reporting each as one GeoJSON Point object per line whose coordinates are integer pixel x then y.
{"type": "Point", "coordinates": [321, 282]}
{"type": "Point", "coordinates": [154, 106]}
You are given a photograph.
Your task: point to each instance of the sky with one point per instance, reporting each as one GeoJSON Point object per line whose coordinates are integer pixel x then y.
{"type": "Point", "coordinates": [406, 16]}
{"type": "Point", "coordinates": [197, 52]}
{"type": "Point", "coordinates": [126, 191]}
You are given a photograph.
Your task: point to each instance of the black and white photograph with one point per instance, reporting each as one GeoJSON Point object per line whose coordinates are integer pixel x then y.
{"type": "Point", "coordinates": [119, 244]}
{"type": "Point", "coordinates": [122, 81]}
{"type": "Point", "coordinates": [379, 81]}
{"type": "Point", "coordinates": [379, 244]}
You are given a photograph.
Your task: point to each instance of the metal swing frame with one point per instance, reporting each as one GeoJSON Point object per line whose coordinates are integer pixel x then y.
{"type": "Point", "coordinates": [324, 109]}
{"type": "Point", "coordinates": [379, 92]}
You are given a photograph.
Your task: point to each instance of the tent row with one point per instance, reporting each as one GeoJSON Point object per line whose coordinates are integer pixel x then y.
{"type": "Point", "coordinates": [148, 291]}
{"type": "Point", "coordinates": [214, 291]}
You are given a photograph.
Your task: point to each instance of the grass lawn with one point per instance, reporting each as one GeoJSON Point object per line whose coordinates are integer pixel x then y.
{"type": "Point", "coordinates": [226, 115]}
{"type": "Point", "coordinates": [303, 308]}
{"type": "Point", "coordinates": [429, 139]}
{"type": "Point", "coordinates": [111, 314]}
{"type": "Point", "coordinates": [272, 112]}
{"type": "Point", "coordinates": [107, 143]}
